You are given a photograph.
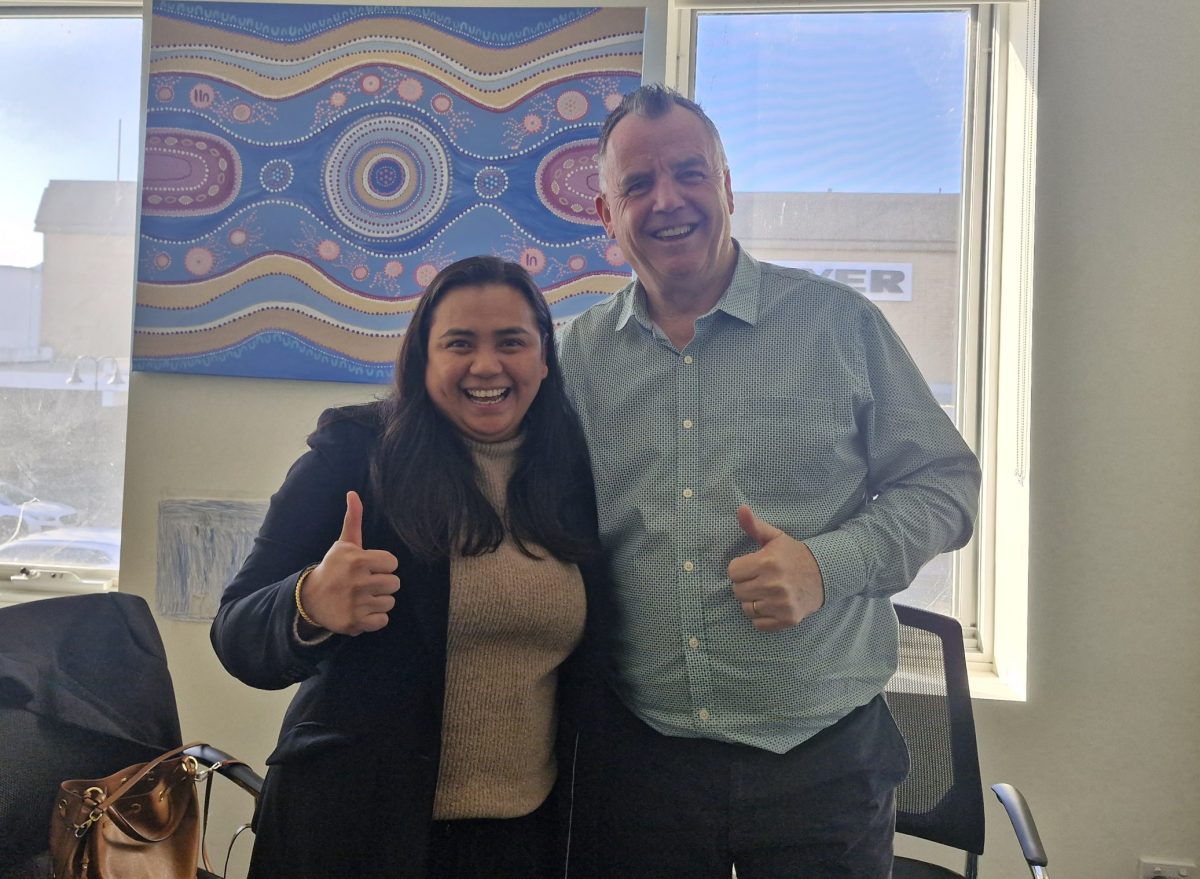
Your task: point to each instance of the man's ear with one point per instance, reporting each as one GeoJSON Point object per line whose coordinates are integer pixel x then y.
{"type": "Point", "coordinates": [605, 215]}
{"type": "Point", "coordinates": [729, 190]}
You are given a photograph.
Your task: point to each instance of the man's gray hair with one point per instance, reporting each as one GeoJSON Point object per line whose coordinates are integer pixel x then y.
{"type": "Point", "coordinates": [653, 101]}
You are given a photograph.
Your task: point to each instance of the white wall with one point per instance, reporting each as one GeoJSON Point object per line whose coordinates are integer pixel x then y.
{"type": "Point", "coordinates": [1108, 746]}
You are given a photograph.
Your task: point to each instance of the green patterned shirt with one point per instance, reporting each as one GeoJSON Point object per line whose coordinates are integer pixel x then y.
{"type": "Point", "coordinates": [796, 397]}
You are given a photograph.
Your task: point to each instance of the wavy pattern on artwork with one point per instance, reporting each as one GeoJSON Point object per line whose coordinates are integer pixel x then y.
{"type": "Point", "coordinates": [252, 322]}
{"type": "Point", "coordinates": [310, 168]}
{"type": "Point", "coordinates": [271, 70]}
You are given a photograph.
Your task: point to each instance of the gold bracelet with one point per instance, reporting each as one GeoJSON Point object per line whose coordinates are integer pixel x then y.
{"type": "Point", "coordinates": [300, 607]}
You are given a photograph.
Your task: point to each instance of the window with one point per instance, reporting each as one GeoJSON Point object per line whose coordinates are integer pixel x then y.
{"type": "Point", "coordinates": [867, 143]}
{"type": "Point", "coordinates": [845, 136]}
{"type": "Point", "coordinates": [69, 135]}
{"type": "Point", "coordinates": [889, 144]}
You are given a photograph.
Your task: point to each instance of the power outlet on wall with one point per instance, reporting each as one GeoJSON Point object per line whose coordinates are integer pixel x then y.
{"type": "Point", "coordinates": [1166, 868]}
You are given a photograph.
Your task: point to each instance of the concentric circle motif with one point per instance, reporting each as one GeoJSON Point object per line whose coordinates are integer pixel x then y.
{"type": "Point", "coordinates": [199, 261]}
{"type": "Point", "coordinates": [425, 274]}
{"type": "Point", "coordinates": [568, 182]}
{"type": "Point", "coordinates": [491, 182]}
{"type": "Point", "coordinates": [276, 175]}
{"type": "Point", "coordinates": [386, 177]}
{"type": "Point", "coordinates": [188, 173]}
{"type": "Point", "coordinates": [572, 105]}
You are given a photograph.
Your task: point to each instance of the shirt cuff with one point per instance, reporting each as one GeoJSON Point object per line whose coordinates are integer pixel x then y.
{"type": "Point", "coordinates": [843, 571]}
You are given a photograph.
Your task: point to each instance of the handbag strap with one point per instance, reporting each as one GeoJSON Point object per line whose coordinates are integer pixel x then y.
{"type": "Point", "coordinates": [100, 808]}
{"type": "Point", "coordinates": [208, 777]}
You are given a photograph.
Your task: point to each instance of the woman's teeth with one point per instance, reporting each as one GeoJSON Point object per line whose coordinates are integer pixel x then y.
{"type": "Point", "coordinates": [491, 395]}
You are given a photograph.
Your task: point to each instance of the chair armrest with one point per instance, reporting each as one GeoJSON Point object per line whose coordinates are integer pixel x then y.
{"type": "Point", "coordinates": [1023, 824]}
{"type": "Point", "coordinates": [230, 767]}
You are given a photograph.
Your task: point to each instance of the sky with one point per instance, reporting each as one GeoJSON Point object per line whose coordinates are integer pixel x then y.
{"type": "Point", "coordinates": [59, 115]}
{"type": "Point", "coordinates": [768, 80]}
{"type": "Point", "coordinates": [848, 102]}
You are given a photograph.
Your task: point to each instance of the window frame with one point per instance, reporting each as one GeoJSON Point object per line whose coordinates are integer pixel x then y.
{"type": "Point", "coordinates": [23, 581]}
{"type": "Point", "coordinates": [995, 304]}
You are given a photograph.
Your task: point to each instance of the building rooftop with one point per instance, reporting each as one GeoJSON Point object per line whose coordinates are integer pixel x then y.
{"type": "Point", "coordinates": [96, 207]}
{"type": "Point", "coordinates": [863, 221]}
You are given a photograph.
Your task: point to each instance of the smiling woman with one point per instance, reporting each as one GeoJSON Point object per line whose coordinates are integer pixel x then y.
{"type": "Point", "coordinates": [427, 572]}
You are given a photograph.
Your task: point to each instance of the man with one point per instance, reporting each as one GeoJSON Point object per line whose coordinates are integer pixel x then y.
{"type": "Point", "coordinates": [770, 469]}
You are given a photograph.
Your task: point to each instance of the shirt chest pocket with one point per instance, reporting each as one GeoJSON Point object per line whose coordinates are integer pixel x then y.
{"type": "Point", "coordinates": [794, 447]}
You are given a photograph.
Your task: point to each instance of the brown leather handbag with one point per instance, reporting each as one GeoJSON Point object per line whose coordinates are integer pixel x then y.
{"type": "Point", "coordinates": [140, 823]}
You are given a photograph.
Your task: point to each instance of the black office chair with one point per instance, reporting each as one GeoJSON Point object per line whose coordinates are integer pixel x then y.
{"type": "Point", "coordinates": [942, 798]}
{"type": "Point", "coordinates": [84, 692]}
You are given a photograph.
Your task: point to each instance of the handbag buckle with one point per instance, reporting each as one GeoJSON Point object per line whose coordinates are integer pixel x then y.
{"type": "Point", "coordinates": [93, 796]}
{"type": "Point", "coordinates": [189, 766]}
{"type": "Point", "coordinates": [82, 829]}
{"type": "Point", "coordinates": [201, 773]}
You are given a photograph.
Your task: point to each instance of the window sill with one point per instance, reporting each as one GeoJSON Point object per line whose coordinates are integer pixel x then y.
{"type": "Point", "coordinates": [985, 683]}
{"type": "Point", "coordinates": [19, 593]}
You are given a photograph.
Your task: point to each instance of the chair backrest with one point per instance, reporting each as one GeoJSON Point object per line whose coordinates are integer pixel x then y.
{"type": "Point", "coordinates": [942, 798]}
{"type": "Point", "coordinates": [84, 692]}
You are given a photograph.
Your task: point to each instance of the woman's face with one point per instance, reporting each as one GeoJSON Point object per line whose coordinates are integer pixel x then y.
{"type": "Point", "coordinates": [486, 360]}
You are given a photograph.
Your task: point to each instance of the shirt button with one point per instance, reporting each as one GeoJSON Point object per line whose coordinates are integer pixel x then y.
{"type": "Point", "coordinates": [703, 714]}
{"type": "Point", "coordinates": [687, 492]}
{"type": "Point", "coordinates": [687, 358]}
{"type": "Point", "coordinates": [687, 424]}
{"type": "Point", "coordinates": [689, 566]}
{"type": "Point", "coordinates": [693, 642]}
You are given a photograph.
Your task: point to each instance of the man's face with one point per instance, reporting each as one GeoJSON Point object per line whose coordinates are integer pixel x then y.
{"type": "Point", "coordinates": [667, 201]}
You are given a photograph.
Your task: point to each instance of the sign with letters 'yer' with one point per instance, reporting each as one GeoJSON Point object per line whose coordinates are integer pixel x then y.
{"type": "Point", "coordinates": [878, 281]}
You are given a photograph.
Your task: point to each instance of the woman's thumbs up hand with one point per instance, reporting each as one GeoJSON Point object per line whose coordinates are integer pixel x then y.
{"type": "Point", "coordinates": [353, 588]}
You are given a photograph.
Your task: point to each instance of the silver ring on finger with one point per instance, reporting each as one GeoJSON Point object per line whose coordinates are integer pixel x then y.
{"type": "Point", "coordinates": [754, 608]}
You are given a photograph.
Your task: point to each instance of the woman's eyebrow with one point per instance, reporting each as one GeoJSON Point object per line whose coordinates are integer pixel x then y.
{"type": "Point", "coordinates": [500, 331]}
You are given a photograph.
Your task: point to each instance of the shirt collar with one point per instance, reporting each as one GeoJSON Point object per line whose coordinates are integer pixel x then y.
{"type": "Point", "coordinates": [740, 299]}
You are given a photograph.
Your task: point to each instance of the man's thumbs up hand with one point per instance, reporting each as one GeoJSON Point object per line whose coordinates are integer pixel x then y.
{"type": "Point", "coordinates": [779, 584]}
{"type": "Point", "coordinates": [352, 589]}
{"type": "Point", "coordinates": [759, 531]}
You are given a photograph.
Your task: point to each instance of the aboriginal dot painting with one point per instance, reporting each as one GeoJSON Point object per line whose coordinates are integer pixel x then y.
{"type": "Point", "coordinates": [309, 168]}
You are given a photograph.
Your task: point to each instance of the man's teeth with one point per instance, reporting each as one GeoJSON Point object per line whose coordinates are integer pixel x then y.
{"type": "Point", "coordinates": [490, 395]}
{"type": "Point", "coordinates": [673, 232]}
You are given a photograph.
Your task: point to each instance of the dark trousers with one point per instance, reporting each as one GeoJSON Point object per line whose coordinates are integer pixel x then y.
{"type": "Point", "coordinates": [501, 848]}
{"type": "Point", "coordinates": [673, 808]}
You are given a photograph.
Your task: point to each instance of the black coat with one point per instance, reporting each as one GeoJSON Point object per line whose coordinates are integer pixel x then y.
{"type": "Point", "coordinates": [350, 785]}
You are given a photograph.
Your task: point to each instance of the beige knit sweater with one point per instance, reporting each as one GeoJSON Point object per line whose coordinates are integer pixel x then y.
{"type": "Point", "coordinates": [513, 620]}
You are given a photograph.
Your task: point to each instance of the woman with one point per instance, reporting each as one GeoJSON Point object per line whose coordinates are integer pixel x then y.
{"type": "Point", "coordinates": [422, 572]}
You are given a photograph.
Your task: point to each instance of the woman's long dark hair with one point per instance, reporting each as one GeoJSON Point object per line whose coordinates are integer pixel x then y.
{"type": "Point", "coordinates": [425, 475]}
